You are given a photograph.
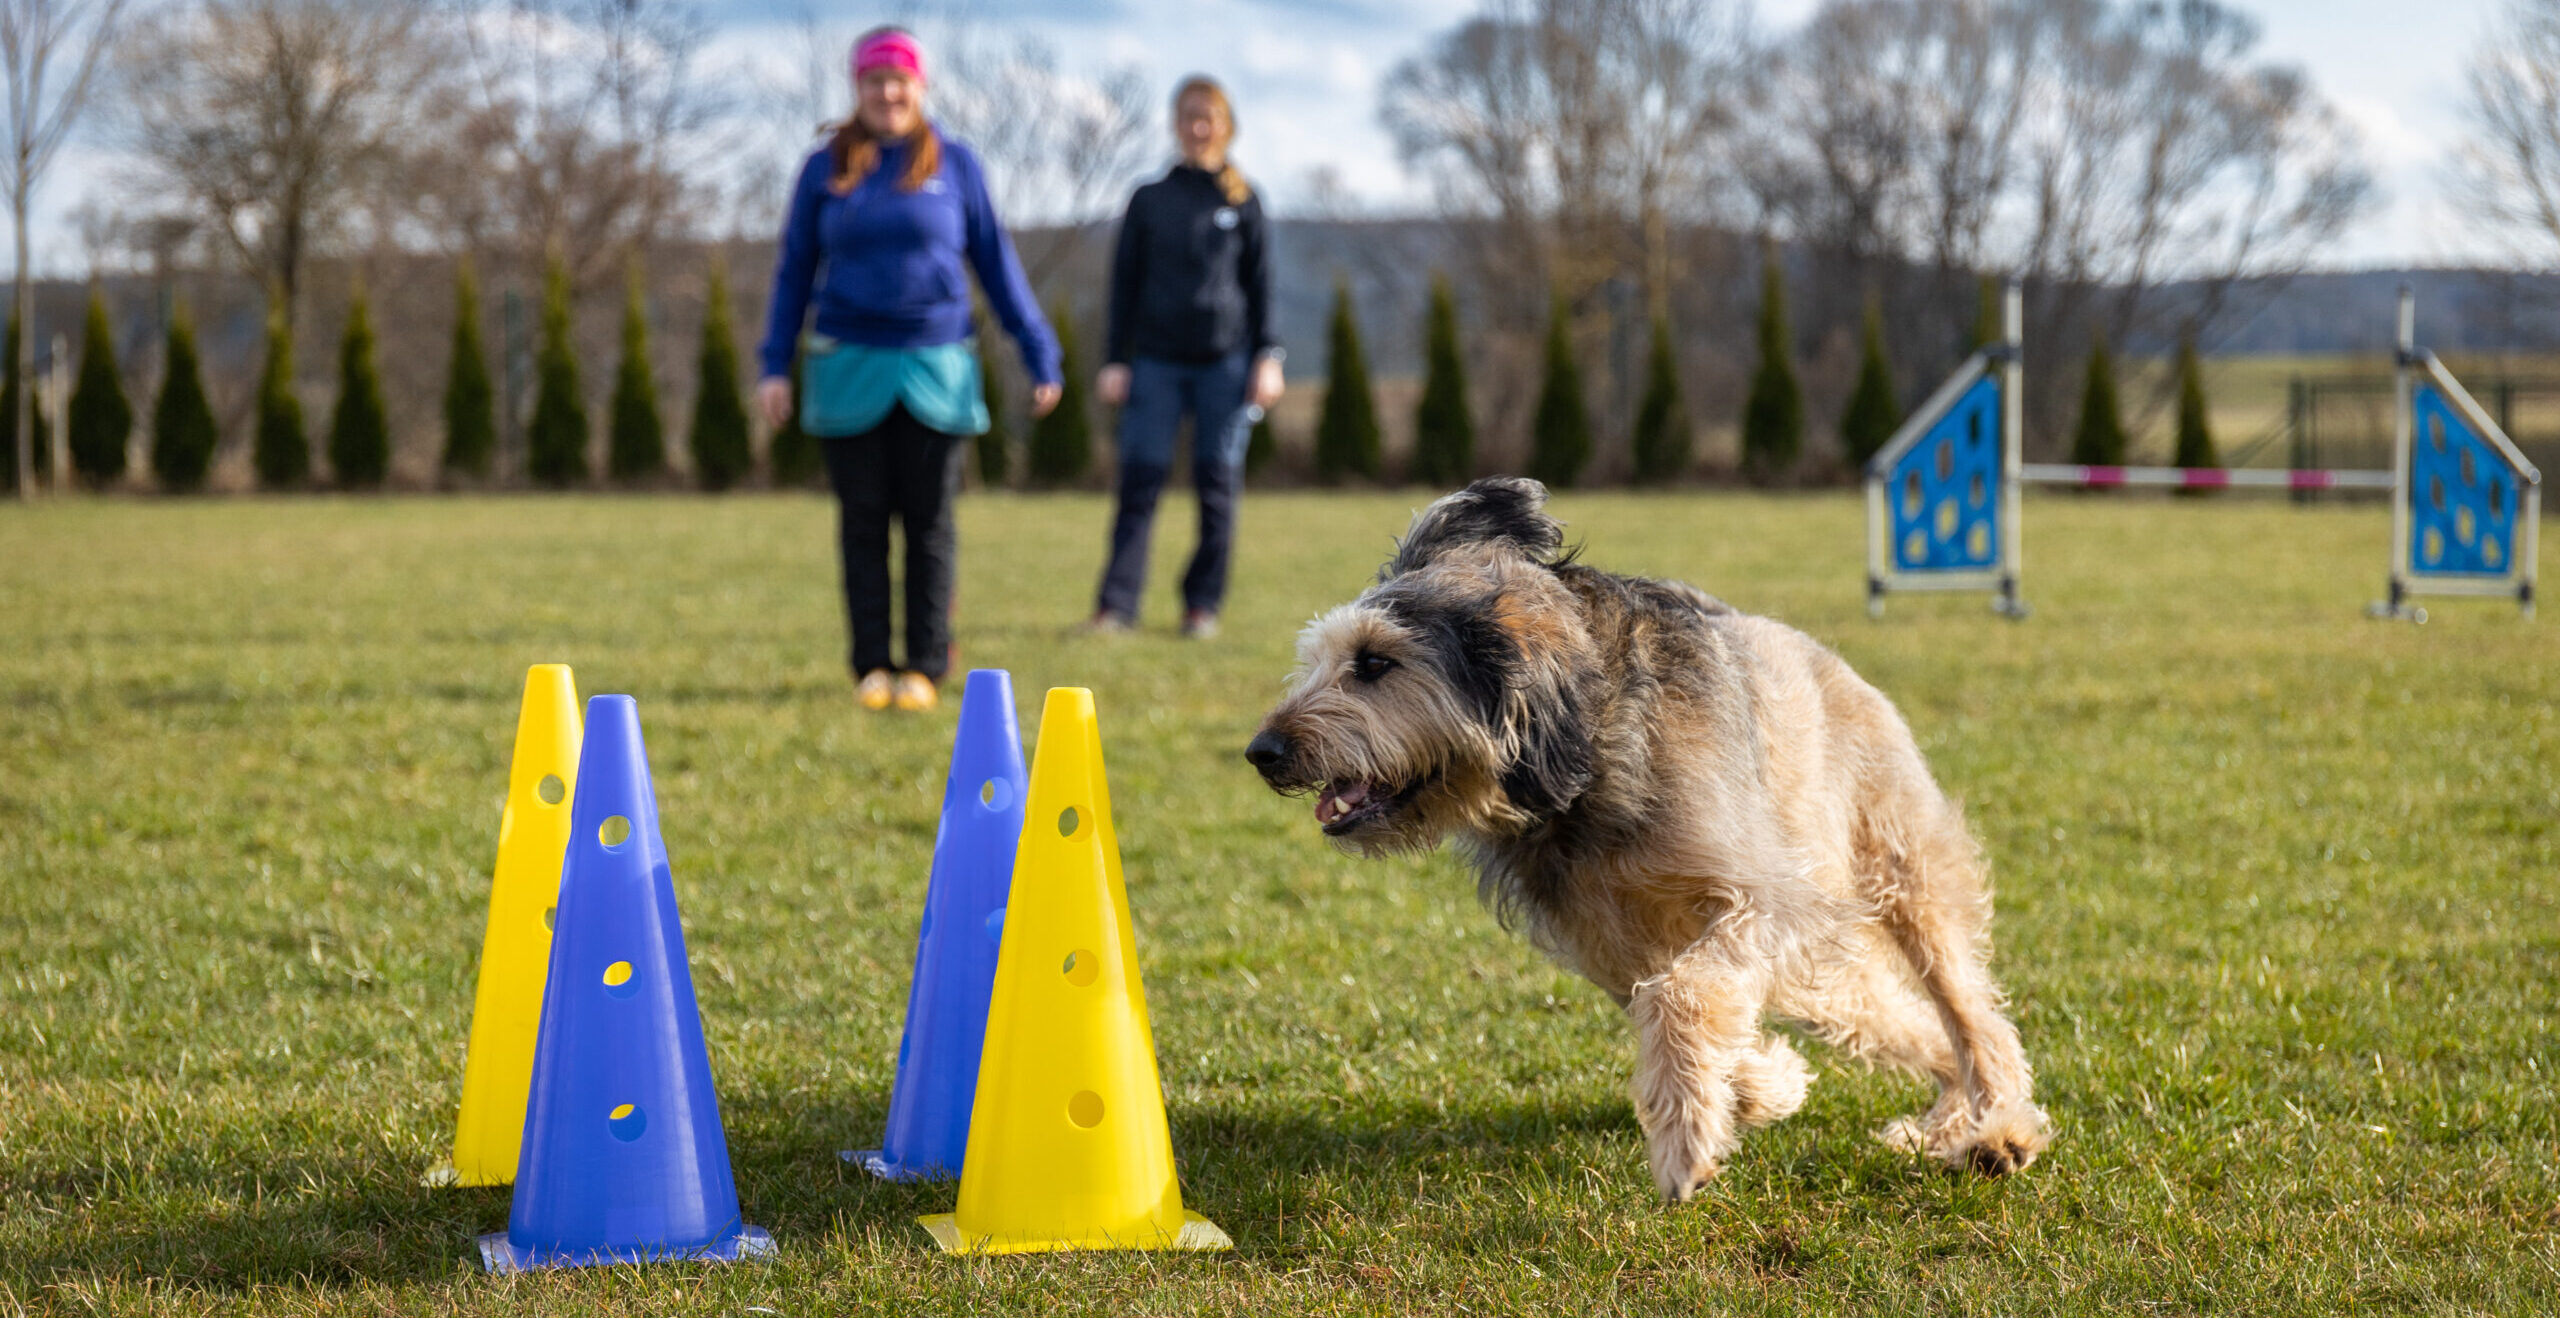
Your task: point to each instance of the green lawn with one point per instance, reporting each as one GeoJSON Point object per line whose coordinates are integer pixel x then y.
{"type": "Point", "coordinates": [2276, 892]}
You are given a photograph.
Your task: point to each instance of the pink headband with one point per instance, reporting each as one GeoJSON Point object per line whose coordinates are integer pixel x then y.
{"type": "Point", "coordinates": [888, 50]}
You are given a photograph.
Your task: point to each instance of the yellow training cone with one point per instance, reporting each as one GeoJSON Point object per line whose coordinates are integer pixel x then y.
{"type": "Point", "coordinates": [515, 956]}
{"type": "Point", "coordinates": [1068, 1147]}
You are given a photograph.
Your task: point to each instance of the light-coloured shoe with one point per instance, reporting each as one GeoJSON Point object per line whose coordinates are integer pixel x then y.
{"type": "Point", "coordinates": [877, 688]}
{"type": "Point", "coordinates": [916, 693]}
{"type": "Point", "coordinates": [1107, 623]}
{"type": "Point", "coordinates": [1200, 625]}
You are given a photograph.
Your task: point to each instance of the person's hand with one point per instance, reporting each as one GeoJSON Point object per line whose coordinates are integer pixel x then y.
{"type": "Point", "coordinates": [1044, 399]}
{"type": "Point", "coordinates": [773, 400]}
{"type": "Point", "coordinates": [1111, 385]}
{"type": "Point", "coordinates": [1267, 382]}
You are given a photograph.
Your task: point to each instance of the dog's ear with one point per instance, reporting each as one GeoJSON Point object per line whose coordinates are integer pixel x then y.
{"type": "Point", "coordinates": [1498, 509]}
{"type": "Point", "coordinates": [1553, 766]}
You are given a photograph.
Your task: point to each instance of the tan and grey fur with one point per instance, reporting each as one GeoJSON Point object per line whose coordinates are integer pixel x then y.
{"type": "Point", "coordinates": [1705, 813]}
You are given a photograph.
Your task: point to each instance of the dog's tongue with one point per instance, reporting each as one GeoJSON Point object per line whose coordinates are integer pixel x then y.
{"type": "Point", "coordinates": [1340, 799]}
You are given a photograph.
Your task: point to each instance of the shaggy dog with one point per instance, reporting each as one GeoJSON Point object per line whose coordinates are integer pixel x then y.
{"type": "Point", "coordinates": [1703, 812]}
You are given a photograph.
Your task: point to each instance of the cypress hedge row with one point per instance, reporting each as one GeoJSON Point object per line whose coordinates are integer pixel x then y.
{"type": "Point", "coordinates": [1059, 448]}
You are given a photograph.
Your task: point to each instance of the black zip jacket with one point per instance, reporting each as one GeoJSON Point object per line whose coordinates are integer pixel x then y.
{"type": "Point", "coordinates": [1191, 281]}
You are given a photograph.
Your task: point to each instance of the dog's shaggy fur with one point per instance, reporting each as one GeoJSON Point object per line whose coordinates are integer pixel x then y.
{"type": "Point", "coordinates": [1705, 813]}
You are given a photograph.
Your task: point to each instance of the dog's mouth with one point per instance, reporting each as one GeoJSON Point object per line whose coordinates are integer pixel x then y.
{"type": "Point", "coordinates": [1344, 806]}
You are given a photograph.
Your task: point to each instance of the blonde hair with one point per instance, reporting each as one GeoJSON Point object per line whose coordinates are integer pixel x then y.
{"type": "Point", "coordinates": [855, 151]}
{"type": "Point", "coordinates": [1231, 180]}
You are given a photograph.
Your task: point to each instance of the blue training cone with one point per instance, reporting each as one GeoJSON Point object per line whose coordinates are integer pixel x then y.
{"type": "Point", "coordinates": [964, 901]}
{"type": "Point", "coordinates": [624, 1160]}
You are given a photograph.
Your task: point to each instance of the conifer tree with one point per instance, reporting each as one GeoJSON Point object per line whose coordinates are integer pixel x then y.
{"type": "Point", "coordinates": [2098, 441]}
{"type": "Point", "coordinates": [101, 421]}
{"type": "Point", "coordinates": [635, 436]}
{"type": "Point", "coordinates": [556, 442]}
{"type": "Point", "coordinates": [1347, 441]}
{"type": "Point", "coordinates": [1661, 443]}
{"type": "Point", "coordinates": [1560, 432]}
{"type": "Point", "coordinates": [1989, 298]}
{"type": "Point", "coordinates": [41, 447]}
{"type": "Point", "coordinates": [1444, 433]}
{"type": "Point", "coordinates": [1261, 445]}
{"type": "Point", "coordinates": [359, 427]}
{"type": "Point", "coordinates": [1773, 413]}
{"type": "Point", "coordinates": [183, 431]}
{"type": "Point", "coordinates": [1062, 442]}
{"type": "Point", "coordinates": [794, 455]}
{"type": "Point", "coordinates": [995, 447]}
{"type": "Point", "coordinates": [281, 451]}
{"type": "Point", "coordinates": [470, 403]}
{"type": "Point", "coordinates": [2195, 431]}
{"type": "Point", "coordinates": [1872, 415]}
{"type": "Point", "coordinates": [722, 451]}
{"type": "Point", "coordinates": [2195, 424]}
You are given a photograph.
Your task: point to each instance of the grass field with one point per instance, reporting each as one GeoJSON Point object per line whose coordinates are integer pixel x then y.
{"type": "Point", "coordinates": [2276, 894]}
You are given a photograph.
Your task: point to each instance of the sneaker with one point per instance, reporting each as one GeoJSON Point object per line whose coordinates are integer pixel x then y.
{"type": "Point", "coordinates": [916, 693]}
{"type": "Point", "coordinates": [877, 689]}
{"type": "Point", "coordinates": [1107, 623]}
{"type": "Point", "coordinates": [1199, 625]}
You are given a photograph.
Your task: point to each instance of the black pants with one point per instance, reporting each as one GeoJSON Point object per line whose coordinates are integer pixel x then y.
{"type": "Point", "coordinates": [906, 467]}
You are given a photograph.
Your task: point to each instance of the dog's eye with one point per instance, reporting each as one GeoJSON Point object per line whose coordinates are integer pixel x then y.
{"type": "Point", "coordinates": [1370, 667]}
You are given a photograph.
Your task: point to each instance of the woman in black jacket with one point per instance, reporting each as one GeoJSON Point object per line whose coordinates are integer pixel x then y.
{"type": "Point", "coordinates": [1190, 333]}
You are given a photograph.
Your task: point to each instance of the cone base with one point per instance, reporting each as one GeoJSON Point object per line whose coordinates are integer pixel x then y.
{"type": "Point", "coordinates": [1198, 1233]}
{"type": "Point", "coordinates": [499, 1255]}
{"type": "Point", "coordinates": [876, 1162]}
{"type": "Point", "coordinates": [445, 1175]}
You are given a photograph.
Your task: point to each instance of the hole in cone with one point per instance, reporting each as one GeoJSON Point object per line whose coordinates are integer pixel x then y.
{"type": "Point", "coordinates": [1085, 1109]}
{"type": "Point", "coordinates": [1067, 822]}
{"type": "Point", "coordinates": [1081, 967]}
{"type": "Point", "coordinates": [617, 980]}
{"type": "Point", "coordinates": [550, 917]}
{"type": "Point", "coordinates": [615, 832]}
{"type": "Point", "coordinates": [995, 794]}
{"type": "Point", "coordinates": [551, 791]}
{"type": "Point", "coordinates": [626, 1121]}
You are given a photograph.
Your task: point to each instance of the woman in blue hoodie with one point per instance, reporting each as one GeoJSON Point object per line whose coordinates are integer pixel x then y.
{"type": "Point", "coordinates": [884, 222]}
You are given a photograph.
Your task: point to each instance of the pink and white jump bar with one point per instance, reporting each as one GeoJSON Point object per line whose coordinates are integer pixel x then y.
{"type": "Point", "coordinates": [2200, 478]}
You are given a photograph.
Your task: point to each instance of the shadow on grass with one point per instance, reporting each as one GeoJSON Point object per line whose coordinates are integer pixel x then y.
{"type": "Point", "coordinates": [210, 1236]}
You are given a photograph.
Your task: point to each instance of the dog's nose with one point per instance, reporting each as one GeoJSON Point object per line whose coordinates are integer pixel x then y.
{"type": "Point", "coordinates": [1266, 750]}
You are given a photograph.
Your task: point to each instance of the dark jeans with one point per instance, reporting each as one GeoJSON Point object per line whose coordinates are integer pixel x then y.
{"type": "Point", "coordinates": [906, 467]}
{"type": "Point", "coordinates": [1160, 393]}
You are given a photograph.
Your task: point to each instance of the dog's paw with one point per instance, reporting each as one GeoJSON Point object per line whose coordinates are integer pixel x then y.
{"type": "Point", "coordinates": [1681, 1181]}
{"type": "Point", "coordinates": [1904, 1135]}
{"type": "Point", "coordinates": [1769, 1083]}
{"type": "Point", "coordinates": [2005, 1140]}
{"type": "Point", "coordinates": [2000, 1142]}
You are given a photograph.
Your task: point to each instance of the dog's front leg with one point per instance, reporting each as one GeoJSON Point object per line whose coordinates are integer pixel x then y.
{"type": "Point", "coordinates": [1696, 1023]}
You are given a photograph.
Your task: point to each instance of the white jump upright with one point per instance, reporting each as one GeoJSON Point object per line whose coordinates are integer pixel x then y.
{"type": "Point", "coordinates": [1942, 494]}
{"type": "Point", "coordinates": [2466, 505]}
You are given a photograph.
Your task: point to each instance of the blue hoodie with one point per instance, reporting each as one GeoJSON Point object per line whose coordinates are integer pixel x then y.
{"type": "Point", "coordinates": [885, 264]}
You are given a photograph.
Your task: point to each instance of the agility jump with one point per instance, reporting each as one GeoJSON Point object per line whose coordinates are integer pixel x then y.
{"type": "Point", "coordinates": [1943, 510]}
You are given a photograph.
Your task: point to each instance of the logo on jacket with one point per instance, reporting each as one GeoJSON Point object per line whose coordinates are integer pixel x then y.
{"type": "Point", "coordinates": [935, 184]}
{"type": "Point", "coordinates": [1225, 217]}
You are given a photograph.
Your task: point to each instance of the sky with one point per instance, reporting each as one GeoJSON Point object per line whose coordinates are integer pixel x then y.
{"type": "Point", "coordinates": [1305, 74]}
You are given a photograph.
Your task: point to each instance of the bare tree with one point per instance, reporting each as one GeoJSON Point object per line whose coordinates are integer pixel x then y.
{"type": "Point", "coordinates": [276, 121]}
{"type": "Point", "coordinates": [1575, 136]}
{"type": "Point", "coordinates": [583, 126]}
{"type": "Point", "coordinates": [2159, 152]}
{"type": "Point", "coordinates": [2509, 165]}
{"type": "Point", "coordinates": [2100, 150]}
{"type": "Point", "coordinates": [52, 50]}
